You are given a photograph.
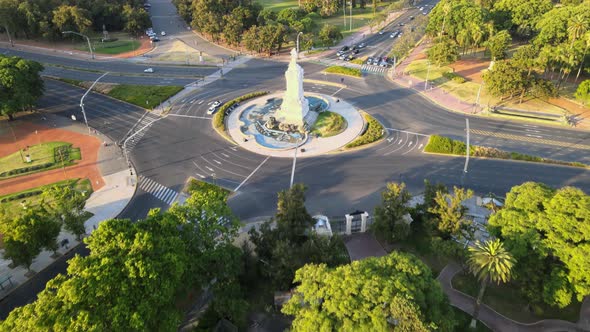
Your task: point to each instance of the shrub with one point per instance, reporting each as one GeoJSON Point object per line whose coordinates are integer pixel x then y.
{"type": "Point", "coordinates": [583, 92]}
{"type": "Point", "coordinates": [219, 118]}
{"type": "Point", "coordinates": [26, 169]}
{"type": "Point", "coordinates": [439, 144]}
{"type": "Point", "coordinates": [344, 71]}
{"type": "Point", "coordinates": [483, 151]}
{"type": "Point", "coordinates": [373, 132]}
{"type": "Point", "coordinates": [454, 77]}
{"type": "Point", "coordinates": [458, 79]}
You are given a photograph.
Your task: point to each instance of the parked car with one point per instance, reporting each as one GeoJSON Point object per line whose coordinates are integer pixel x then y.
{"type": "Point", "coordinates": [148, 70]}
{"type": "Point", "coordinates": [163, 33]}
{"type": "Point", "coordinates": [376, 61]}
{"type": "Point", "coordinates": [411, 18]}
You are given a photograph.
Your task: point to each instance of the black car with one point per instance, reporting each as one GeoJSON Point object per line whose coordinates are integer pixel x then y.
{"type": "Point", "coordinates": [343, 50]}
{"type": "Point", "coordinates": [356, 51]}
{"type": "Point", "coordinates": [349, 57]}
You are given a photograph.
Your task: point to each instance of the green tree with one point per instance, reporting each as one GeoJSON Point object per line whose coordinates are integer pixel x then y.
{"type": "Point", "coordinates": [450, 212]}
{"type": "Point", "coordinates": [524, 13]}
{"type": "Point", "coordinates": [23, 236]}
{"type": "Point", "coordinates": [583, 92]}
{"type": "Point", "coordinates": [498, 44]}
{"type": "Point", "coordinates": [389, 215]}
{"type": "Point", "coordinates": [505, 79]}
{"type": "Point", "coordinates": [445, 51]}
{"type": "Point", "coordinates": [369, 295]}
{"type": "Point", "coordinates": [489, 262]}
{"type": "Point", "coordinates": [235, 23]}
{"type": "Point", "coordinates": [67, 206]}
{"type": "Point", "coordinates": [266, 16]}
{"type": "Point", "coordinates": [329, 35]}
{"type": "Point", "coordinates": [20, 85]}
{"type": "Point", "coordinates": [71, 18]}
{"type": "Point", "coordinates": [292, 216]}
{"type": "Point", "coordinates": [136, 19]}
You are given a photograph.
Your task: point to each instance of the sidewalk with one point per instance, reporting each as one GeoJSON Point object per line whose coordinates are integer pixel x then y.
{"type": "Point", "coordinates": [105, 203]}
{"type": "Point", "coordinates": [493, 319]}
{"type": "Point", "coordinates": [438, 95]}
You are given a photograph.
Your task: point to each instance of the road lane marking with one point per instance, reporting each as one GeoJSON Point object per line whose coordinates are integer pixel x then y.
{"type": "Point", "coordinates": [530, 139]}
{"type": "Point", "coordinates": [254, 171]}
{"type": "Point", "coordinates": [190, 116]}
{"type": "Point", "coordinates": [219, 163]}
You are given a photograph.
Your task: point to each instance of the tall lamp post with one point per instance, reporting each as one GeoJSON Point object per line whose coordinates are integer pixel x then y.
{"type": "Point", "coordinates": [299, 34]}
{"type": "Point", "coordinates": [84, 96]}
{"type": "Point", "coordinates": [81, 35]}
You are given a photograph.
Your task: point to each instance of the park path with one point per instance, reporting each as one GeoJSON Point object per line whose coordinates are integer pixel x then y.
{"type": "Point", "coordinates": [28, 134]}
{"type": "Point", "coordinates": [498, 322]}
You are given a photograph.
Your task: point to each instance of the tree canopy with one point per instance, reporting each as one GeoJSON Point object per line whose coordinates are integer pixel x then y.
{"type": "Point", "coordinates": [20, 84]}
{"type": "Point", "coordinates": [395, 292]}
{"type": "Point", "coordinates": [548, 232]}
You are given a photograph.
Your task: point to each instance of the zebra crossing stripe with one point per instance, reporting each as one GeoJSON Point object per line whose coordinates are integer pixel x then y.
{"type": "Point", "coordinates": [159, 191]}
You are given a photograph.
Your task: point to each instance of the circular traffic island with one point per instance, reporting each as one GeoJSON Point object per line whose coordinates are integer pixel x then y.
{"type": "Point", "coordinates": [330, 124]}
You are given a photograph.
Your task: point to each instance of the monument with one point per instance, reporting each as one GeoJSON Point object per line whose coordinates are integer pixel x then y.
{"type": "Point", "coordinates": [295, 106]}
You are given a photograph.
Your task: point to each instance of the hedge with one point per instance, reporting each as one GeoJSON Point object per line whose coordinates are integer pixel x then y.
{"type": "Point", "coordinates": [26, 169]}
{"type": "Point", "coordinates": [344, 71]}
{"type": "Point", "coordinates": [454, 77]}
{"type": "Point", "coordinates": [373, 132]}
{"type": "Point", "coordinates": [219, 117]}
{"type": "Point", "coordinates": [445, 145]}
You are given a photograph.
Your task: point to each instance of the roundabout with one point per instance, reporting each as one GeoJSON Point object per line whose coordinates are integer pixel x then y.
{"type": "Point", "coordinates": [274, 124]}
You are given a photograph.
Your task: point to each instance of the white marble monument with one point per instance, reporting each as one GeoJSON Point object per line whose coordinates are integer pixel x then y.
{"type": "Point", "coordinates": [294, 107]}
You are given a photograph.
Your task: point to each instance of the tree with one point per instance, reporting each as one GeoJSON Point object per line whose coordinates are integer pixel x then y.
{"type": "Point", "coordinates": [583, 92]}
{"type": "Point", "coordinates": [136, 19]}
{"type": "Point", "coordinates": [71, 18]}
{"type": "Point", "coordinates": [20, 85]}
{"type": "Point", "coordinates": [23, 236]}
{"type": "Point", "coordinates": [292, 216]}
{"type": "Point", "coordinates": [505, 79]}
{"type": "Point", "coordinates": [236, 22]}
{"type": "Point", "coordinates": [389, 215]}
{"type": "Point", "coordinates": [135, 270]}
{"type": "Point", "coordinates": [369, 295]}
{"type": "Point", "coordinates": [489, 262]}
{"type": "Point", "coordinates": [266, 16]}
{"type": "Point", "coordinates": [67, 206]}
{"type": "Point", "coordinates": [445, 51]}
{"type": "Point", "coordinates": [329, 34]}
{"type": "Point", "coordinates": [498, 44]}
{"type": "Point", "coordinates": [450, 212]}
{"type": "Point", "coordinates": [524, 13]}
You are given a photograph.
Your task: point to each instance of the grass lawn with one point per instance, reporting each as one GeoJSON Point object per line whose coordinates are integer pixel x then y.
{"type": "Point", "coordinates": [142, 95]}
{"type": "Point", "coordinates": [506, 299]}
{"type": "Point", "coordinates": [360, 17]}
{"type": "Point", "coordinates": [12, 204]}
{"type": "Point", "coordinates": [196, 185]}
{"type": "Point", "coordinates": [341, 70]}
{"type": "Point", "coordinates": [467, 91]}
{"type": "Point", "coordinates": [114, 47]}
{"type": "Point", "coordinates": [373, 132]}
{"type": "Point", "coordinates": [329, 124]}
{"type": "Point", "coordinates": [42, 159]}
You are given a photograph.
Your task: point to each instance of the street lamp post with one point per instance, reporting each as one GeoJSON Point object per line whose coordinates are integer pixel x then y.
{"type": "Point", "coordinates": [84, 96]}
{"type": "Point", "coordinates": [299, 34]}
{"type": "Point", "coordinates": [427, 73]}
{"type": "Point", "coordinates": [294, 163]}
{"type": "Point", "coordinates": [344, 12]}
{"type": "Point", "coordinates": [81, 35]}
{"type": "Point", "coordinates": [350, 16]}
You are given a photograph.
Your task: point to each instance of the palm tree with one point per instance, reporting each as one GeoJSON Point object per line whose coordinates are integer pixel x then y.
{"type": "Point", "coordinates": [586, 46]}
{"type": "Point", "coordinates": [489, 261]}
{"type": "Point", "coordinates": [577, 27]}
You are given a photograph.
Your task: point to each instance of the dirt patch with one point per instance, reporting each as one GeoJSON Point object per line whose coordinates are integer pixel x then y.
{"type": "Point", "coordinates": [30, 134]}
{"type": "Point", "coordinates": [470, 68]}
{"type": "Point", "coordinates": [103, 88]}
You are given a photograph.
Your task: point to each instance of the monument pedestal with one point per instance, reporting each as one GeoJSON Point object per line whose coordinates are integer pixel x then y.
{"type": "Point", "coordinates": [295, 107]}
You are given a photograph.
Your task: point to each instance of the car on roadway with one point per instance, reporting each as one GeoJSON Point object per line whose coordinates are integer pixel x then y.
{"type": "Point", "coordinates": [381, 32]}
{"type": "Point", "coordinates": [343, 50]}
{"type": "Point", "coordinates": [148, 70]}
{"type": "Point", "coordinates": [411, 18]}
{"type": "Point", "coordinates": [401, 24]}
{"type": "Point", "coordinates": [393, 34]}
{"type": "Point", "coordinates": [213, 108]}
{"type": "Point", "coordinates": [384, 62]}
{"type": "Point", "coordinates": [369, 60]}
{"type": "Point", "coordinates": [362, 45]}
{"type": "Point", "coordinates": [163, 33]}
{"type": "Point", "coordinates": [216, 103]}
{"type": "Point", "coordinates": [349, 57]}
{"type": "Point", "coordinates": [376, 61]}
{"type": "Point", "coordinates": [154, 39]}
{"type": "Point", "coordinates": [342, 56]}
{"type": "Point", "coordinates": [400, 35]}
{"type": "Point", "coordinates": [421, 8]}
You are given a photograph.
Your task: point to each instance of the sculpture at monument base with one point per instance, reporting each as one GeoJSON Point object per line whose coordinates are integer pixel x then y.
{"type": "Point", "coordinates": [295, 106]}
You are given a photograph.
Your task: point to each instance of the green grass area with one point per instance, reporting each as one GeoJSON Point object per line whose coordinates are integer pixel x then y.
{"type": "Point", "coordinates": [147, 96]}
{"type": "Point", "coordinates": [329, 124]}
{"type": "Point", "coordinates": [374, 132]}
{"type": "Point", "coordinates": [507, 300]}
{"type": "Point", "coordinates": [464, 320]}
{"type": "Point", "coordinates": [341, 70]}
{"type": "Point", "coordinates": [70, 81]}
{"type": "Point", "coordinates": [194, 185]}
{"type": "Point", "coordinates": [445, 145]}
{"type": "Point", "coordinates": [12, 203]}
{"type": "Point", "coordinates": [467, 91]}
{"type": "Point", "coordinates": [113, 47]}
{"type": "Point", "coordinates": [43, 156]}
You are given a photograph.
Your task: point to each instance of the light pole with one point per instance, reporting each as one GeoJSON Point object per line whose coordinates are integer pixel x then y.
{"type": "Point", "coordinates": [294, 163]}
{"type": "Point", "coordinates": [477, 98]}
{"type": "Point", "coordinates": [350, 16]}
{"type": "Point", "coordinates": [344, 12]}
{"type": "Point", "coordinates": [427, 73]}
{"type": "Point", "coordinates": [84, 96]}
{"type": "Point", "coordinates": [87, 39]}
{"type": "Point", "coordinates": [299, 34]}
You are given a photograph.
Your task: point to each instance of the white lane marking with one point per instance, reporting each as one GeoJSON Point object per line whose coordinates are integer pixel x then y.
{"type": "Point", "coordinates": [405, 131]}
{"type": "Point", "coordinates": [413, 147]}
{"type": "Point", "coordinates": [337, 91]}
{"type": "Point", "coordinates": [254, 171]}
{"type": "Point", "coordinates": [401, 146]}
{"type": "Point", "coordinates": [199, 175]}
{"type": "Point", "coordinates": [209, 168]}
{"type": "Point", "coordinates": [532, 126]}
{"type": "Point", "coordinates": [536, 136]}
{"type": "Point", "coordinates": [200, 102]}
{"type": "Point", "coordinates": [226, 156]}
{"type": "Point", "coordinates": [532, 131]}
{"type": "Point", "coordinates": [421, 145]}
{"type": "Point", "coordinates": [190, 116]}
{"type": "Point", "coordinates": [215, 161]}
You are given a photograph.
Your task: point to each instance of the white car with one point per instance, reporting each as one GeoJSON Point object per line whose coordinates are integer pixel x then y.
{"type": "Point", "coordinates": [216, 103]}
{"type": "Point", "coordinates": [149, 70]}
{"type": "Point", "coordinates": [163, 33]}
{"type": "Point", "coordinates": [211, 110]}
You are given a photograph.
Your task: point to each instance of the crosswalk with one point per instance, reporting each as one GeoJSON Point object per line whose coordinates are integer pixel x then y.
{"type": "Point", "coordinates": [374, 69]}
{"type": "Point", "coordinates": [139, 130]}
{"type": "Point", "coordinates": [159, 191]}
